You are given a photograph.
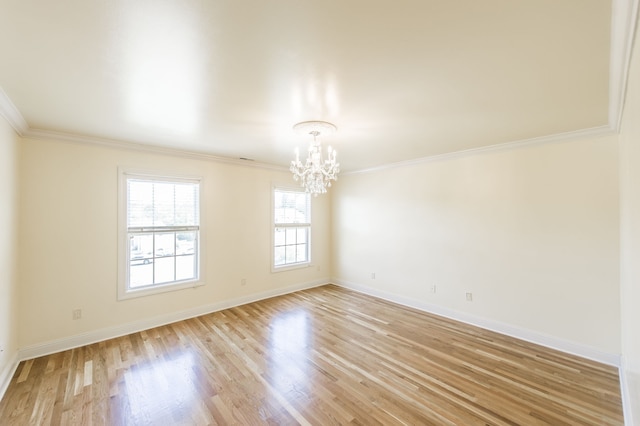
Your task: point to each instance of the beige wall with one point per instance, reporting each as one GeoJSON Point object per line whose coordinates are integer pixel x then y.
{"type": "Point", "coordinates": [630, 233]}
{"type": "Point", "coordinates": [531, 232]}
{"type": "Point", "coordinates": [68, 230]}
{"type": "Point", "coordinates": [8, 250]}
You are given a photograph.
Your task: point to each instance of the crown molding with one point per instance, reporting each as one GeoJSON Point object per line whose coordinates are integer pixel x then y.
{"type": "Point", "coordinates": [148, 148]}
{"type": "Point", "coordinates": [558, 137]}
{"type": "Point", "coordinates": [624, 18]}
{"type": "Point", "coordinates": [10, 113]}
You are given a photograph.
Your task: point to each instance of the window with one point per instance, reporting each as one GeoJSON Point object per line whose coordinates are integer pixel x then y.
{"type": "Point", "coordinates": [292, 228]}
{"type": "Point", "coordinates": [160, 234]}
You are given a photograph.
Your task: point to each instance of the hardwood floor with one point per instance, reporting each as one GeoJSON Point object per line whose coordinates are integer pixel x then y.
{"type": "Point", "coordinates": [320, 356]}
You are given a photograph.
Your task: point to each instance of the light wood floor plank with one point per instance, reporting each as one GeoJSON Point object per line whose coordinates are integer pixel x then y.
{"type": "Point", "coordinates": [324, 356]}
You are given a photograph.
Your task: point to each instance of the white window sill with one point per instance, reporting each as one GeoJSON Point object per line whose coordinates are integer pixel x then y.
{"type": "Point", "coordinates": [158, 289]}
{"type": "Point", "coordinates": [290, 267]}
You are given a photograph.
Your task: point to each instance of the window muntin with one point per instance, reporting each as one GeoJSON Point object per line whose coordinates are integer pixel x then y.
{"type": "Point", "coordinates": [292, 228]}
{"type": "Point", "coordinates": [162, 234]}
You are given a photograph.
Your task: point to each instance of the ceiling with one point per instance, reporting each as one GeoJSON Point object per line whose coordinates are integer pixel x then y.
{"type": "Point", "coordinates": [401, 81]}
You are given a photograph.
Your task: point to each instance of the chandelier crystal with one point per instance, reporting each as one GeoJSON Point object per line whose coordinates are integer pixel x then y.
{"type": "Point", "coordinates": [316, 174]}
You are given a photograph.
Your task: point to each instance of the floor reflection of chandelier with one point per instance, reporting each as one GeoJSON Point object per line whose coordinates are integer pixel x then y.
{"type": "Point", "coordinates": [316, 173]}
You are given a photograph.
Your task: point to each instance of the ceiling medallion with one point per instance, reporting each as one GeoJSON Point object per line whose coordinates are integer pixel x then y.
{"type": "Point", "coordinates": [316, 173]}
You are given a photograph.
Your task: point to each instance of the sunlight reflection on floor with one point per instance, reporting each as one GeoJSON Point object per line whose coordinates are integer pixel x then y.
{"type": "Point", "coordinates": [289, 345]}
{"type": "Point", "coordinates": [163, 389]}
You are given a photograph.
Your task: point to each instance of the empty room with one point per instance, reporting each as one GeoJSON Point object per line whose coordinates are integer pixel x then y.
{"type": "Point", "coordinates": [303, 212]}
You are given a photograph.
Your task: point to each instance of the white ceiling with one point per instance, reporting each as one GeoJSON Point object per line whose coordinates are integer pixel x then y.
{"type": "Point", "coordinates": [401, 80]}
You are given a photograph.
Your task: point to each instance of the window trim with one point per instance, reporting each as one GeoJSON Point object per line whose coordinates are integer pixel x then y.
{"type": "Point", "coordinates": [291, 266]}
{"type": "Point", "coordinates": [123, 290]}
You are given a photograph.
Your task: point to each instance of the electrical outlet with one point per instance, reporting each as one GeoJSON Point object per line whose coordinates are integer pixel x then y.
{"type": "Point", "coordinates": [469, 297]}
{"type": "Point", "coordinates": [243, 281]}
{"type": "Point", "coordinates": [373, 275]}
{"type": "Point", "coordinates": [433, 288]}
{"type": "Point", "coordinates": [76, 314]}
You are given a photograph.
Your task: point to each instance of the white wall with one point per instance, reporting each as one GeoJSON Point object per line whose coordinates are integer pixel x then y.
{"type": "Point", "coordinates": [68, 231]}
{"type": "Point", "coordinates": [8, 252]}
{"type": "Point", "coordinates": [630, 234]}
{"type": "Point", "coordinates": [531, 232]}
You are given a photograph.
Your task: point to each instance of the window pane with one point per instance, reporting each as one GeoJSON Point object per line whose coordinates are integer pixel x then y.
{"type": "Point", "coordinates": [162, 204]}
{"type": "Point", "coordinates": [279, 211]}
{"type": "Point", "coordinates": [140, 274]}
{"type": "Point", "coordinates": [186, 204]}
{"type": "Point", "coordinates": [279, 255]}
{"type": "Point", "coordinates": [185, 267]}
{"type": "Point", "coordinates": [302, 208]}
{"type": "Point", "coordinates": [186, 242]}
{"type": "Point", "coordinates": [140, 260]}
{"type": "Point", "coordinates": [301, 253]}
{"type": "Point", "coordinates": [279, 239]}
{"type": "Point", "coordinates": [291, 236]}
{"type": "Point", "coordinates": [291, 254]}
{"type": "Point", "coordinates": [290, 214]}
{"type": "Point", "coordinates": [301, 235]}
{"type": "Point", "coordinates": [141, 247]}
{"type": "Point", "coordinates": [164, 244]}
{"type": "Point", "coordinates": [164, 270]}
{"type": "Point", "coordinates": [139, 203]}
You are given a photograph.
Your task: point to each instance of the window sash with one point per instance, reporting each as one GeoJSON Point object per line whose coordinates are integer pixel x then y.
{"type": "Point", "coordinates": [146, 273]}
{"type": "Point", "coordinates": [158, 203]}
{"type": "Point", "coordinates": [291, 207]}
{"type": "Point", "coordinates": [291, 248]}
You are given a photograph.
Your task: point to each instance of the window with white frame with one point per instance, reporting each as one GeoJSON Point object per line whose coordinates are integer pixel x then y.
{"type": "Point", "coordinates": [292, 228]}
{"type": "Point", "coordinates": [160, 234]}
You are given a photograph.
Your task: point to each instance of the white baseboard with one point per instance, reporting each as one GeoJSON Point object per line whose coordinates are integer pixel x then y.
{"type": "Point", "coordinates": [628, 395]}
{"type": "Point", "coordinates": [88, 338]}
{"type": "Point", "coordinates": [7, 373]}
{"type": "Point", "coordinates": [552, 342]}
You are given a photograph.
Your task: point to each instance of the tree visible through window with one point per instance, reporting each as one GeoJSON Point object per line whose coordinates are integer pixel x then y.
{"type": "Point", "coordinates": [292, 228]}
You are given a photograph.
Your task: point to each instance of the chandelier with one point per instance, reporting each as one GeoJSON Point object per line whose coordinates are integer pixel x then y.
{"type": "Point", "coordinates": [316, 173]}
